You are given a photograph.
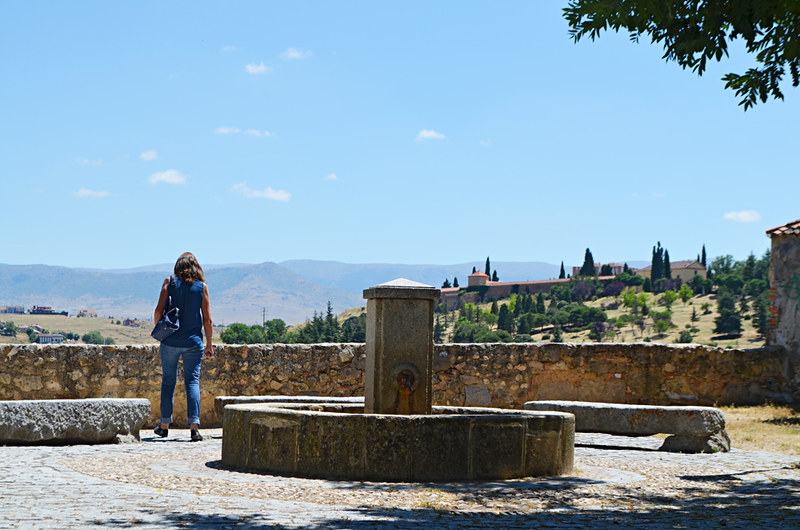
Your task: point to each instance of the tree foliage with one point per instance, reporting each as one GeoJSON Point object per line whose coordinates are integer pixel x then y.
{"type": "Point", "coordinates": [693, 32]}
{"type": "Point", "coordinates": [587, 269]}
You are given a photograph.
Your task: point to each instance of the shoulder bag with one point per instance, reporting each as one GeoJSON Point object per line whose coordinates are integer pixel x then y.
{"type": "Point", "coordinates": [170, 318]}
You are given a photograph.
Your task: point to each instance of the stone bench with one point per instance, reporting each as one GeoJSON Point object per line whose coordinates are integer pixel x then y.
{"type": "Point", "coordinates": [221, 401]}
{"type": "Point", "coordinates": [693, 429]}
{"type": "Point", "coordinates": [72, 421]}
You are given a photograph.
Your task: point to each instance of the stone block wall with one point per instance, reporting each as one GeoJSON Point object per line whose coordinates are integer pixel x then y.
{"type": "Point", "coordinates": [497, 375]}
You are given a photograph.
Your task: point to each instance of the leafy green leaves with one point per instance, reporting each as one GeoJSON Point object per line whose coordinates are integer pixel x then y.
{"type": "Point", "coordinates": [695, 31]}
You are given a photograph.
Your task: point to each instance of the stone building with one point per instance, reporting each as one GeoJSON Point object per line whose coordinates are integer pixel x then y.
{"type": "Point", "coordinates": [784, 281]}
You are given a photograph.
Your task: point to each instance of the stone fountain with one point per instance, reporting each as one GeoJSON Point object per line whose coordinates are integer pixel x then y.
{"type": "Point", "coordinates": [397, 435]}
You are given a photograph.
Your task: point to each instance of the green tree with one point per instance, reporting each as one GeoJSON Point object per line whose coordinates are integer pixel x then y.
{"type": "Point", "coordinates": [669, 298]}
{"type": "Point", "coordinates": [761, 316]}
{"type": "Point", "coordinates": [562, 274]}
{"type": "Point", "coordinates": [455, 281]}
{"type": "Point", "coordinates": [505, 320]}
{"type": "Point", "coordinates": [728, 321]}
{"type": "Point", "coordinates": [446, 284]}
{"type": "Point", "coordinates": [438, 331]}
{"type": "Point", "coordinates": [8, 329]}
{"type": "Point", "coordinates": [332, 331]}
{"type": "Point", "coordinates": [494, 309]}
{"type": "Point", "coordinates": [657, 265]}
{"type": "Point", "coordinates": [685, 293]}
{"type": "Point", "coordinates": [587, 269]}
{"type": "Point", "coordinates": [696, 31]}
{"type": "Point", "coordinates": [495, 277]}
{"type": "Point", "coordinates": [703, 258]}
{"type": "Point", "coordinates": [94, 337]}
{"type": "Point", "coordinates": [540, 303]}
{"type": "Point", "coordinates": [685, 337]}
{"type": "Point", "coordinates": [605, 270]}
{"type": "Point", "coordinates": [667, 266]}
{"type": "Point", "coordinates": [488, 269]}
{"type": "Point", "coordinates": [275, 331]}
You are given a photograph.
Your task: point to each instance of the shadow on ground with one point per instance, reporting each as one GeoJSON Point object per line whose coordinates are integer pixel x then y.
{"type": "Point", "coordinates": [740, 503]}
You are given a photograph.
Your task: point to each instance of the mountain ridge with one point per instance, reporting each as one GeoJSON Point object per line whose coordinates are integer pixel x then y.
{"type": "Point", "coordinates": [291, 290]}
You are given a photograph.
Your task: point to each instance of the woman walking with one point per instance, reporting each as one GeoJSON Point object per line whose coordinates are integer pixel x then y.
{"type": "Point", "coordinates": [190, 293]}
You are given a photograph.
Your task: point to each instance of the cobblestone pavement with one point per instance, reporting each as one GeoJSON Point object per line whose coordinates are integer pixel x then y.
{"type": "Point", "coordinates": [619, 482]}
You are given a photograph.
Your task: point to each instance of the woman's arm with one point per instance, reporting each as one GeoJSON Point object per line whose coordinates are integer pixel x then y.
{"type": "Point", "coordinates": [162, 301]}
{"type": "Point", "coordinates": [208, 326]}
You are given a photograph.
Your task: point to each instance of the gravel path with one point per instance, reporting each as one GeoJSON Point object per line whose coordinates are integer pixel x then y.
{"type": "Point", "coordinates": [624, 482]}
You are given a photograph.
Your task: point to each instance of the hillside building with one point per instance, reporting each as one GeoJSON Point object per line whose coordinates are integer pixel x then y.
{"type": "Point", "coordinates": [481, 289]}
{"type": "Point", "coordinates": [681, 270]}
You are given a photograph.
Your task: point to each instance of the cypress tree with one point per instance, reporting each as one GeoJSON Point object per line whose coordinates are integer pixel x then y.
{"type": "Point", "coordinates": [455, 281]}
{"type": "Point", "coordinates": [588, 264]}
{"type": "Point", "coordinates": [703, 260]}
{"type": "Point", "coordinates": [667, 267]}
{"type": "Point", "coordinates": [488, 269]}
{"type": "Point", "coordinates": [494, 276]}
{"type": "Point", "coordinates": [562, 274]}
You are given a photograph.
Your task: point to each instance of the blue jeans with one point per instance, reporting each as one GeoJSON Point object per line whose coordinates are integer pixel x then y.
{"type": "Point", "coordinates": [192, 359]}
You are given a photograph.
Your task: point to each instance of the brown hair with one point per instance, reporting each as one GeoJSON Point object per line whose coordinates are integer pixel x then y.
{"type": "Point", "coordinates": [188, 269]}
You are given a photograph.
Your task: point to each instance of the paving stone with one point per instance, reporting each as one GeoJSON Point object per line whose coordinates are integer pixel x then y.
{"type": "Point", "coordinates": [167, 483]}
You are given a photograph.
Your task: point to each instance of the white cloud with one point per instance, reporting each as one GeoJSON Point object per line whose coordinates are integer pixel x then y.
{"type": "Point", "coordinates": [149, 155]}
{"type": "Point", "coordinates": [227, 130]}
{"type": "Point", "coordinates": [745, 216]}
{"type": "Point", "coordinates": [87, 162]}
{"type": "Point", "coordinates": [332, 176]}
{"type": "Point", "coordinates": [259, 68]}
{"type": "Point", "coordinates": [170, 176]}
{"type": "Point", "coordinates": [256, 132]}
{"type": "Point", "coordinates": [429, 134]}
{"type": "Point", "coordinates": [266, 193]}
{"type": "Point", "coordinates": [486, 143]}
{"type": "Point", "coordinates": [228, 49]}
{"type": "Point", "coordinates": [85, 193]}
{"type": "Point", "coordinates": [659, 195]}
{"type": "Point", "coordinates": [294, 53]}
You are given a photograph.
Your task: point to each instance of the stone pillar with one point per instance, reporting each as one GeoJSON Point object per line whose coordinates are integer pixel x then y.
{"type": "Point", "coordinates": [784, 280]}
{"type": "Point", "coordinates": [399, 347]}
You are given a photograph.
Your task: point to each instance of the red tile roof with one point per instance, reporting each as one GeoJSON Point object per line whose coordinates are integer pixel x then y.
{"type": "Point", "coordinates": [785, 230]}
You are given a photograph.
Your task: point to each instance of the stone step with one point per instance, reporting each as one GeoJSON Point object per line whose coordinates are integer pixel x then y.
{"type": "Point", "coordinates": [693, 429]}
{"type": "Point", "coordinates": [72, 421]}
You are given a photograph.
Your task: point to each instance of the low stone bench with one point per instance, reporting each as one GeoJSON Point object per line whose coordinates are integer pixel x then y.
{"type": "Point", "coordinates": [72, 421]}
{"type": "Point", "coordinates": [693, 429]}
{"type": "Point", "coordinates": [221, 401]}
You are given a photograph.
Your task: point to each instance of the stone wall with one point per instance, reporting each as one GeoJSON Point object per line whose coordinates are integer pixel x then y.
{"type": "Point", "coordinates": [784, 279]}
{"type": "Point", "coordinates": [498, 375]}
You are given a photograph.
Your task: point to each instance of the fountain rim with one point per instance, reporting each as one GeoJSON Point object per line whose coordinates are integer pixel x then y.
{"type": "Point", "coordinates": [441, 412]}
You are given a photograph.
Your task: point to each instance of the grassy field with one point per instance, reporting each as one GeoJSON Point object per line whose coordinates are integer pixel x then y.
{"type": "Point", "coordinates": [107, 327]}
{"type": "Point", "coordinates": [770, 428]}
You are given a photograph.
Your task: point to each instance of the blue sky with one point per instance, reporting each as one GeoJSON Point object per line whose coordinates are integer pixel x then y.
{"type": "Point", "coordinates": [406, 132]}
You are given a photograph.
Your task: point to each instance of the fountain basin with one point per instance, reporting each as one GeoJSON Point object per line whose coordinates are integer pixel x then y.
{"type": "Point", "coordinates": [339, 441]}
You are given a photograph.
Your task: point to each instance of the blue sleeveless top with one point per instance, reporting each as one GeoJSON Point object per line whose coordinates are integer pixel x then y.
{"type": "Point", "coordinates": [189, 299]}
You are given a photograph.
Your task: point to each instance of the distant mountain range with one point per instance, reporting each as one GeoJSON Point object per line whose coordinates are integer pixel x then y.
{"type": "Point", "coordinates": [292, 290]}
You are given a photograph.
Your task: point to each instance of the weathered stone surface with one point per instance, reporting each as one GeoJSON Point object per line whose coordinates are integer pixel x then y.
{"type": "Point", "coordinates": [477, 396]}
{"type": "Point", "coordinates": [696, 429]}
{"type": "Point", "coordinates": [221, 401]}
{"type": "Point", "coordinates": [339, 441]}
{"type": "Point", "coordinates": [399, 348]}
{"type": "Point", "coordinates": [71, 421]}
{"type": "Point", "coordinates": [783, 328]}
